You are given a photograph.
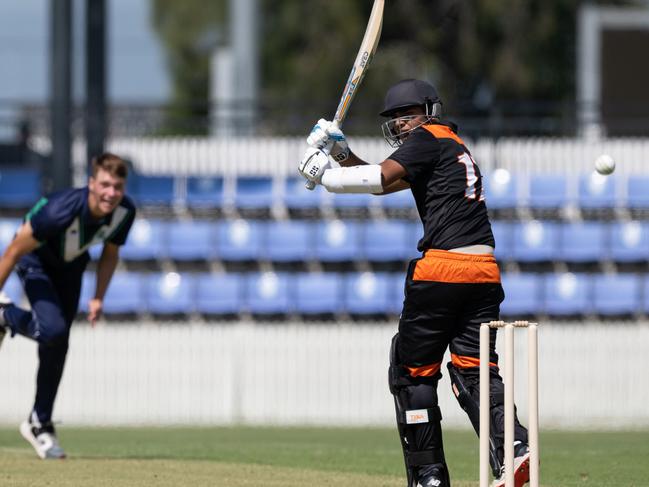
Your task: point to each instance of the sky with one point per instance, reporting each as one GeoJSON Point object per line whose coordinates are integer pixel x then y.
{"type": "Point", "coordinates": [136, 64]}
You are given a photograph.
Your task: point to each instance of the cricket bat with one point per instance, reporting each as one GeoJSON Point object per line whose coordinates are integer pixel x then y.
{"type": "Point", "coordinates": [362, 62]}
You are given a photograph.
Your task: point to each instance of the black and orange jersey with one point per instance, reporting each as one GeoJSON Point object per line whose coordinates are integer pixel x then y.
{"type": "Point", "coordinates": [447, 186]}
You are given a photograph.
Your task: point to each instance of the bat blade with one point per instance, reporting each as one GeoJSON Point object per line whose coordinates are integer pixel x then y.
{"type": "Point", "coordinates": [363, 60]}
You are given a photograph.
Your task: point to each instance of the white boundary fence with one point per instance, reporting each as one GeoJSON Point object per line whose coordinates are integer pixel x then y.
{"type": "Point", "coordinates": [591, 375]}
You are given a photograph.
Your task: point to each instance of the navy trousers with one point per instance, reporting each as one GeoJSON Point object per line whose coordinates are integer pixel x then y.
{"type": "Point", "coordinates": [54, 299]}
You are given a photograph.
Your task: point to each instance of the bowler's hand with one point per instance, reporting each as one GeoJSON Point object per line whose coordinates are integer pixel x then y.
{"type": "Point", "coordinates": [95, 308]}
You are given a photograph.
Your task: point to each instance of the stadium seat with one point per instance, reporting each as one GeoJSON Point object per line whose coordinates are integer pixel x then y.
{"type": "Point", "coordinates": [387, 241]}
{"type": "Point", "coordinates": [629, 241]}
{"type": "Point", "coordinates": [254, 193]}
{"type": "Point", "coordinates": [597, 191]}
{"type": "Point", "coordinates": [125, 294]}
{"type": "Point", "coordinates": [169, 293]}
{"type": "Point", "coordinates": [219, 294]}
{"type": "Point", "coordinates": [289, 241]}
{"type": "Point", "coordinates": [637, 195]}
{"type": "Point", "coordinates": [205, 192]}
{"type": "Point", "coordinates": [501, 189]}
{"type": "Point", "coordinates": [8, 228]}
{"type": "Point", "coordinates": [547, 191]}
{"type": "Point", "coordinates": [616, 294]}
{"type": "Point", "coordinates": [361, 201]}
{"type": "Point", "coordinates": [318, 293]}
{"type": "Point", "coordinates": [400, 200]}
{"type": "Point", "coordinates": [296, 197]}
{"type": "Point", "coordinates": [267, 293]}
{"type": "Point", "coordinates": [396, 295]}
{"type": "Point", "coordinates": [147, 240]}
{"type": "Point", "coordinates": [152, 190]}
{"type": "Point", "coordinates": [567, 294]}
{"type": "Point", "coordinates": [191, 240]}
{"type": "Point", "coordinates": [503, 235]}
{"type": "Point", "coordinates": [582, 242]}
{"type": "Point", "coordinates": [534, 241]}
{"type": "Point", "coordinates": [522, 294]}
{"type": "Point", "coordinates": [337, 241]}
{"type": "Point", "coordinates": [19, 188]}
{"type": "Point", "coordinates": [13, 288]}
{"type": "Point", "coordinates": [239, 240]}
{"type": "Point", "coordinates": [367, 293]}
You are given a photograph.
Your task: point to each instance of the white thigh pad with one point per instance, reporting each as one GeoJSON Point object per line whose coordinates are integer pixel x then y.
{"type": "Point", "coordinates": [354, 179]}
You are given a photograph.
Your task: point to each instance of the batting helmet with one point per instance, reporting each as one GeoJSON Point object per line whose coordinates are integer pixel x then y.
{"type": "Point", "coordinates": [410, 93]}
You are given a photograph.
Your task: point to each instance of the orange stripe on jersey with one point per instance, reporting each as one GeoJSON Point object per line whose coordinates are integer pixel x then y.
{"type": "Point", "coordinates": [445, 266]}
{"type": "Point", "coordinates": [443, 132]}
{"type": "Point", "coordinates": [466, 362]}
{"type": "Point", "coordinates": [424, 371]}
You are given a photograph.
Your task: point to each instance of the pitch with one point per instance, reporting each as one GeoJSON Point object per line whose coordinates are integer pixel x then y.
{"type": "Point", "coordinates": [292, 457]}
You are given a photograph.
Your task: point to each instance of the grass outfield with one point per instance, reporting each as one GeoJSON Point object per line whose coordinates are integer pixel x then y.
{"type": "Point", "coordinates": [291, 457]}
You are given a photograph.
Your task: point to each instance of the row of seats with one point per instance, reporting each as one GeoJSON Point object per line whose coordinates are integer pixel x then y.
{"type": "Point", "coordinates": [527, 294]}
{"type": "Point", "coordinates": [503, 190]}
{"type": "Point", "coordinates": [373, 240]}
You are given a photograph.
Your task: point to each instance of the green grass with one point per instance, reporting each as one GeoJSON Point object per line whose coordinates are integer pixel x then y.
{"type": "Point", "coordinates": [287, 457]}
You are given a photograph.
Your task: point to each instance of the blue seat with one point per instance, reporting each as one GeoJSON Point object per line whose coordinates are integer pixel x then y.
{"type": "Point", "coordinates": [254, 192]}
{"type": "Point", "coordinates": [637, 195]}
{"type": "Point", "coordinates": [522, 294]}
{"type": "Point", "coordinates": [289, 241]}
{"type": "Point", "coordinates": [387, 241]}
{"type": "Point", "coordinates": [169, 293]}
{"type": "Point", "coordinates": [8, 228]}
{"type": "Point", "coordinates": [125, 294]}
{"type": "Point", "coordinates": [239, 240]}
{"type": "Point", "coordinates": [191, 240]}
{"type": "Point", "coordinates": [348, 200]}
{"type": "Point", "coordinates": [205, 192]}
{"type": "Point", "coordinates": [617, 294]}
{"type": "Point", "coordinates": [582, 242]}
{"type": "Point", "coordinates": [547, 191]}
{"type": "Point", "coordinates": [567, 294]}
{"type": "Point", "coordinates": [503, 234]}
{"type": "Point", "coordinates": [337, 241]}
{"type": "Point", "coordinates": [534, 241]}
{"type": "Point", "coordinates": [629, 241]}
{"type": "Point", "coordinates": [400, 200]}
{"type": "Point", "coordinates": [152, 190]}
{"type": "Point", "coordinates": [597, 191]}
{"type": "Point", "coordinates": [368, 293]}
{"type": "Point", "coordinates": [318, 293]}
{"type": "Point", "coordinates": [267, 293]}
{"type": "Point", "coordinates": [219, 294]}
{"type": "Point", "coordinates": [396, 295]}
{"type": "Point", "coordinates": [501, 189]}
{"type": "Point", "coordinates": [14, 288]}
{"type": "Point", "coordinates": [19, 188]}
{"type": "Point", "coordinates": [296, 197]}
{"type": "Point", "coordinates": [147, 240]}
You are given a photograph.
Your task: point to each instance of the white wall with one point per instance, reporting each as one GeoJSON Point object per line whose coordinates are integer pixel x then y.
{"type": "Point", "coordinates": [330, 374]}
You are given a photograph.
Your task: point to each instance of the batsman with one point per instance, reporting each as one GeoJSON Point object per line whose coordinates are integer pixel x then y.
{"type": "Point", "coordinates": [451, 289]}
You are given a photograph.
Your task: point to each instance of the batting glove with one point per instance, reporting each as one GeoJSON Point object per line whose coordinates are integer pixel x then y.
{"type": "Point", "coordinates": [325, 134]}
{"type": "Point", "coordinates": [313, 164]}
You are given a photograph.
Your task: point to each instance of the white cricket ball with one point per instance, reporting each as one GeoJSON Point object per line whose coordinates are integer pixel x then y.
{"type": "Point", "coordinates": [604, 164]}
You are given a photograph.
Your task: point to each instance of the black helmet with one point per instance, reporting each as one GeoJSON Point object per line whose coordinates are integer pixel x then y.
{"type": "Point", "coordinates": [410, 93]}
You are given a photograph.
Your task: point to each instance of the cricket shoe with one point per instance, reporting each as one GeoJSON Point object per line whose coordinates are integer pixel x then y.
{"type": "Point", "coordinates": [521, 468]}
{"type": "Point", "coordinates": [42, 437]}
{"type": "Point", "coordinates": [433, 476]}
{"type": "Point", "coordinates": [4, 302]}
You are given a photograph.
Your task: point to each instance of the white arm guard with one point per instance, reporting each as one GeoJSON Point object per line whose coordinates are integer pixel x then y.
{"type": "Point", "coordinates": [354, 179]}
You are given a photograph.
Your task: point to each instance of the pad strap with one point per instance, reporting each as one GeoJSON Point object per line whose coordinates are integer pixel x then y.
{"type": "Point", "coordinates": [425, 457]}
{"type": "Point", "coordinates": [354, 179]}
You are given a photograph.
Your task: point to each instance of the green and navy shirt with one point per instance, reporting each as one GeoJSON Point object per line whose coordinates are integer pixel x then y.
{"type": "Point", "coordinates": [62, 222]}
